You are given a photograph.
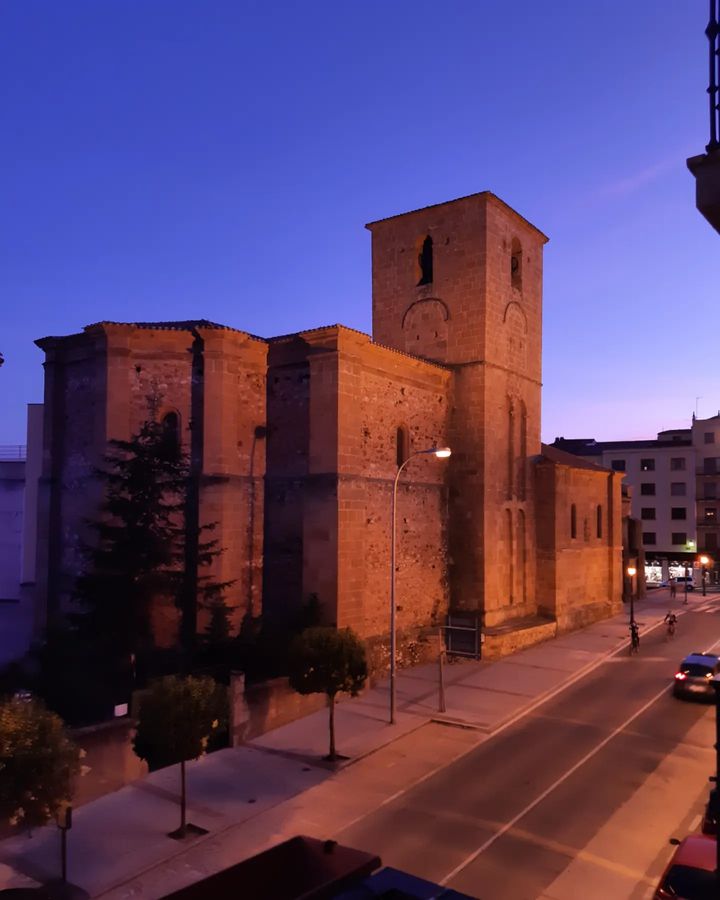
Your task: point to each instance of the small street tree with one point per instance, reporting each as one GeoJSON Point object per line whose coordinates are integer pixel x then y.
{"type": "Point", "coordinates": [326, 660]}
{"type": "Point", "coordinates": [38, 763]}
{"type": "Point", "coordinates": [176, 719]}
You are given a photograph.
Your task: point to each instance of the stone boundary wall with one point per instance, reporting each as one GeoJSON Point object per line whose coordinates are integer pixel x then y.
{"type": "Point", "coordinates": [258, 708]}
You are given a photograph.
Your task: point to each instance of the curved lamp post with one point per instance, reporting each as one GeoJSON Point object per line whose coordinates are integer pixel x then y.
{"type": "Point", "coordinates": [441, 453]}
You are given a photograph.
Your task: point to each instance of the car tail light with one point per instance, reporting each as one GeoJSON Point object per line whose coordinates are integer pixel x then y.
{"type": "Point", "coordinates": [681, 676]}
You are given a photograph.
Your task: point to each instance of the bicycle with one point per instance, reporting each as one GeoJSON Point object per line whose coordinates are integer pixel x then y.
{"type": "Point", "coordinates": [670, 621]}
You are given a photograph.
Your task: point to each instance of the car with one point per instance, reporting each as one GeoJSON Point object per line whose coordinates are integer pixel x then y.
{"type": "Point", "coordinates": [690, 874]}
{"type": "Point", "coordinates": [695, 674]}
{"type": "Point", "coordinates": [682, 581]}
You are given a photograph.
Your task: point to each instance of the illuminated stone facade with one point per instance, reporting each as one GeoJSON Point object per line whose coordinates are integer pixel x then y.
{"type": "Point", "coordinates": [299, 437]}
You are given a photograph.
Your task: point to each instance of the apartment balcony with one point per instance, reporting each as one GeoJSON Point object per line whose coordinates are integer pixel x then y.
{"type": "Point", "coordinates": [706, 167]}
{"type": "Point", "coordinates": [13, 452]}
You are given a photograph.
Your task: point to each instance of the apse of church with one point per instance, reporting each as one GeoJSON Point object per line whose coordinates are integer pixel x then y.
{"type": "Point", "coordinates": [298, 439]}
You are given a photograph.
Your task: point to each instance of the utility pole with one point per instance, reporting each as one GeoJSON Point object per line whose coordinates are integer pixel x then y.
{"type": "Point", "coordinates": [715, 795]}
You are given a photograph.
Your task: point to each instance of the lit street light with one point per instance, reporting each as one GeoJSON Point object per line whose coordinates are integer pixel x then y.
{"type": "Point", "coordinates": [441, 453]}
{"type": "Point", "coordinates": [631, 570]}
{"type": "Point", "coordinates": [704, 560]}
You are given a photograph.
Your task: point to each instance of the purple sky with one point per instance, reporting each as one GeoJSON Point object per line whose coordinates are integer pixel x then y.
{"type": "Point", "coordinates": [173, 159]}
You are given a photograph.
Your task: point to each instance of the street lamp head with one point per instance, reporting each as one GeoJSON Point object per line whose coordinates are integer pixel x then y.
{"type": "Point", "coordinates": [631, 571]}
{"type": "Point", "coordinates": [704, 560]}
{"type": "Point", "coordinates": [442, 452]}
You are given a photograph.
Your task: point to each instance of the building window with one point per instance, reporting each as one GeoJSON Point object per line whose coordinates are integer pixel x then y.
{"type": "Point", "coordinates": [425, 261]}
{"type": "Point", "coordinates": [678, 489]}
{"type": "Point", "coordinates": [647, 512]}
{"type": "Point", "coordinates": [171, 430]}
{"type": "Point", "coordinates": [648, 537]}
{"type": "Point", "coordinates": [598, 520]}
{"type": "Point", "coordinates": [647, 465]}
{"type": "Point", "coordinates": [711, 514]}
{"type": "Point", "coordinates": [710, 490]}
{"type": "Point", "coordinates": [679, 537]}
{"type": "Point", "coordinates": [711, 541]}
{"type": "Point", "coordinates": [618, 465]}
{"type": "Point", "coordinates": [516, 264]}
{"type": "Point", "coordinates": [710, 466]}
{"type": "Point", "coordinates": [647, 489]}
{"type": "Point", "coordinates": [677, 463]}
{"type": "Point", "coordinates": [678, 512]}
{"type": "Point", "coordinates": [709, 437]}
{"type": "Point", "coordinates": [573, 521]}
{"type": "Point", "coordinates": [402, 445]}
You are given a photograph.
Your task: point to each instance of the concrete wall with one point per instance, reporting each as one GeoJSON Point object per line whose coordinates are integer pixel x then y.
{"type": "Point", "coordinates": [12, 492]}
{"type": "Point", "coordinates": [662, 477]}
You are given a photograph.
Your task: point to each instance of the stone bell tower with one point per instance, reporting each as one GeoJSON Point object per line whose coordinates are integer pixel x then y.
{"type": "Point", "coordinates": [460, 283]}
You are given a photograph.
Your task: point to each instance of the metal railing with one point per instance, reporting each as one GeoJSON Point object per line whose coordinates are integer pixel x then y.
{"type": "Point", "coordinates": [713, 35]}
{"type": "Point", "coordinates": [13, 452]}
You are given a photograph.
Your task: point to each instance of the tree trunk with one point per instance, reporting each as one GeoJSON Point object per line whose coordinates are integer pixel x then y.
{"type": "Point", "coordinates": [331, 706]}
{"type": "Point", "coordinates": [183, 820]}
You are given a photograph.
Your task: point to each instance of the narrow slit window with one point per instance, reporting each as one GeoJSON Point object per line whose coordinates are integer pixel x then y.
{"type": "Point", "coordinates": [516, 264]}
{"type": "Point", "coordinates": [402, 444]}
{"type": "Point", "coordinates": [599, 521]}
{"type": "Point", "coordinates": [425, 261]}
{"type": "Point", "coordinates": [573, 521]}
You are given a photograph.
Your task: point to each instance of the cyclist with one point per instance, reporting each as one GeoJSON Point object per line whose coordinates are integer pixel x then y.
{"type": "Point", "coordinates": [670, 621]}
{"type": "Point", "coordinates": [634, 638]}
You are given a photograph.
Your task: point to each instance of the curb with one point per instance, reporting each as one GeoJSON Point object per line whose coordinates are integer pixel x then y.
{"type": "Point", "coordinates": [540, 699]}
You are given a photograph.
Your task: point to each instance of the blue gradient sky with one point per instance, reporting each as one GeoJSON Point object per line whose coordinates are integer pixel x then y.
{"type": "Point", "coordinates": [219, 158]}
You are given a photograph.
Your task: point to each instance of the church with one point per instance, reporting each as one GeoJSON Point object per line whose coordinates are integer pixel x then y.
{"type": "Point", "coordinates": [297, 440]}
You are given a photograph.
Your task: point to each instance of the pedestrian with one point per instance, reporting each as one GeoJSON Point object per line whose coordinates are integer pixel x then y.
{"type": "Point", "coordinates": [673, 588]}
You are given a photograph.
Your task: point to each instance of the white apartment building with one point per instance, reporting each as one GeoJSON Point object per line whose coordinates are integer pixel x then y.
{"type": "Point", "coordinates": [674, 483]}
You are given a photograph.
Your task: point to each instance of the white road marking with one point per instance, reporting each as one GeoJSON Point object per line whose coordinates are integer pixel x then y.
{"type": "Point", "coordinates": [556, 784]}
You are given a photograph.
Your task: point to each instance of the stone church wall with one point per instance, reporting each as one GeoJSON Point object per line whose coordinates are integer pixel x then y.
{"type": "Point", "coordinates": [578, 576]}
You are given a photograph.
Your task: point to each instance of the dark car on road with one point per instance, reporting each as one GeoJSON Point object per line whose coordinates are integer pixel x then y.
{"type": "Point", "coordinates": [695, 674]}
{"type": "Point", "coordinates": [690, 874]}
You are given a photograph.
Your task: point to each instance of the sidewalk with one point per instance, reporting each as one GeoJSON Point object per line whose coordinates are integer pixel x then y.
{"type": "Point", "coordinates": [278, 785]}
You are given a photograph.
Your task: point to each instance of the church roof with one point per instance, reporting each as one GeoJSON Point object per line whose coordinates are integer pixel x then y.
{"type": "Point", "coordinates": [177, 325]}
{"type": "Point", "coordinates": [488, 194]}
{"type": "Point", "coordinates": [560, 457]}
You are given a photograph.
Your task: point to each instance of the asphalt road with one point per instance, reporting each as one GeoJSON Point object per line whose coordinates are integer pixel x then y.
{"type": "Point", "coordinates": [507, 820]}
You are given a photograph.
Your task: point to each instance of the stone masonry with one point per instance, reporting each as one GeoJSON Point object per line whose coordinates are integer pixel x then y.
{"type": "Point", "coordinates": [299, 438]}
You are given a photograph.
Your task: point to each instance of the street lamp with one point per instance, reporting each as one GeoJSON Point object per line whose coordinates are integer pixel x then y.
{"type": "Point", "coordinates": [704, 560]}
{"type": "Point", "coordinates": [441, 453]}
{"type": "Point", "coordinates": [631, 570]}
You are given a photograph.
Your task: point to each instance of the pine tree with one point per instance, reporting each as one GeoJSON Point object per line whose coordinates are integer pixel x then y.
{"type": "Point", "coordinates": [141, 543]}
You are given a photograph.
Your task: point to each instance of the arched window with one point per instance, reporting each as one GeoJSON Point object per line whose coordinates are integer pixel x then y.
{"type": "Point", "coordinates": [425, 261]}
{"type": "Point", "coordinates": [516, 264]}
{"type": "Point", "coordinates": [402, 444]}
{"type": "Point", "coordinates": [573, 521]}
{"type": "Point", "coordinates": [599, 520]}
{"type": "Point", "coordinates": [171, 429]}
{"type": "Point", "coordinates": [510, 449]}
{"type": "Point", "coordinates": [523, 449]}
